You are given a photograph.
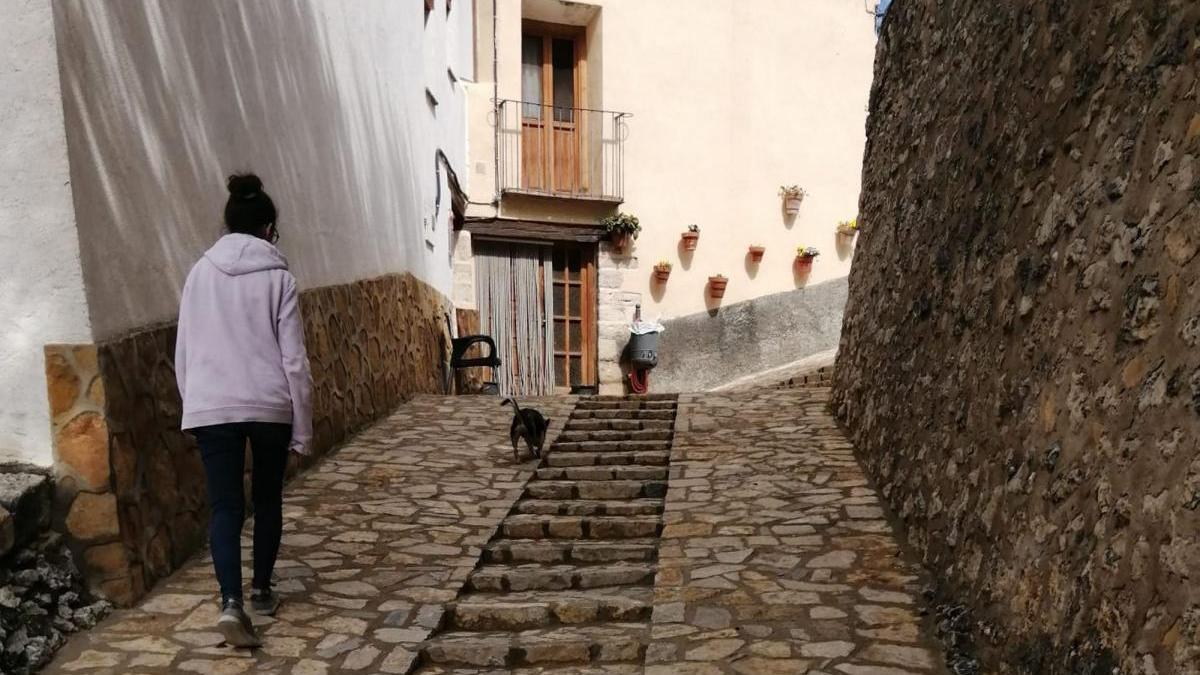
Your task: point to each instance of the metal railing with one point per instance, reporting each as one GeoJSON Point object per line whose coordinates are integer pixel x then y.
{"type": "Point", "coordinates": [557, 151]}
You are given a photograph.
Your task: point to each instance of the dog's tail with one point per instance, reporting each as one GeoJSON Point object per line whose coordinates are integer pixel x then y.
{"type": "Point", "coordinates": [513, 401]}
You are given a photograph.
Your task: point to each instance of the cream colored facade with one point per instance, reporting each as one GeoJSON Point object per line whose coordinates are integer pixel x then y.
{"type": "Point", "coordinates": [728, 100]}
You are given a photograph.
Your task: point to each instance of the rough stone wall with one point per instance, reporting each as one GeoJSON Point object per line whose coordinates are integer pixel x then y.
{"type": "Point", "coordinates": [131, 485]}
{"type": "Point", "coordinates": [1018, 364]}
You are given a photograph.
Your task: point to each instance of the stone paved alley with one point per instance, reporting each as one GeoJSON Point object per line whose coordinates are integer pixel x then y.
{"type": "Point", "coordinates": [771, 553]}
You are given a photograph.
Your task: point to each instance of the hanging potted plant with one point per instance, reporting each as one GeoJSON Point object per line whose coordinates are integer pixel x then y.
{"type": "Point", "coordinates": [716, 285]}
{"type": "Point", "coordinates": [756, 253]}
{"type": "Point", "coordinates": [691, 237]}
{"type": "Point", "coordinates": [621, 228]}
{"type": "Point", "coordinates": [792, 196]}
{"type": "Point", "coordinates": [804, 258]}
{"type": "Point", "coordinates": [848, 228]}
{"type": "Point", "coordinates": [662, 271]}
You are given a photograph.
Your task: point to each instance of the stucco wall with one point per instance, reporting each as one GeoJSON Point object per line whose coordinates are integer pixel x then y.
{"type": "Point", "coordinates": [729, 101]}
{"type": "Point", "coordinates": [1019, 366]}
{"type": "Point", "coordinates": [326, 100]}
{"type": "Point", "coordinates": [41, 287]}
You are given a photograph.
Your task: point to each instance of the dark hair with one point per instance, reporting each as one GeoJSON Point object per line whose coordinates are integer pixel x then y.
{"type": "Point", "coordinates": [249, 209]}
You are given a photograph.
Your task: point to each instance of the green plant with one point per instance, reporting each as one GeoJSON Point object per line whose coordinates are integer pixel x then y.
{"type": "Point", "coordinates": [848, 225]}
{"type": "Point", "coordinates": [694, 228]}
{"type": "Point", "coordinates": [622, 224]}
{"type": "Point", "coordinates": [663, 265]}
{"type": "Point", "coordinates": [791, 192]}
{"type": "Point", "coordinates": [807, 251]}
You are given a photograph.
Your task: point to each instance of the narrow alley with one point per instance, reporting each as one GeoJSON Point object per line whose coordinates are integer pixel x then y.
{"type": "Point", "coordinates": [419, 547]}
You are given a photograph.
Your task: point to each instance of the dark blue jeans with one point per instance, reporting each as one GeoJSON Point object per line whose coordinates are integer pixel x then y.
{"type": "Point", "coordinates": [223, 448]}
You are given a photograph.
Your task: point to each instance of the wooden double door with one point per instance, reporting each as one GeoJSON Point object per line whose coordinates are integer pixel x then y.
{"type": "Point", "coordinates": [538, 301]}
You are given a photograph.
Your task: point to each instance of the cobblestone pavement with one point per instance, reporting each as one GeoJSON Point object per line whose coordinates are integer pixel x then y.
{"type": "Point", "coordinates": [772, 555]}
{"type": "Point", "coordinates": [776, 557]}
{"type": "Point", "coordinates": [377, 538]}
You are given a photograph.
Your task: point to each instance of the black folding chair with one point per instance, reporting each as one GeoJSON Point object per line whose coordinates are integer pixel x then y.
{"type": "Point", "coordinates": [459, 346]}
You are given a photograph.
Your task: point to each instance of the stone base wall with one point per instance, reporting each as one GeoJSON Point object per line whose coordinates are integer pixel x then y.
{"type": "Point", "coordinates": [1019, 366]}
{"type": "Point", "coordinates": [707, 350]}
{"type": "Point", "coordinates": [131, 485]}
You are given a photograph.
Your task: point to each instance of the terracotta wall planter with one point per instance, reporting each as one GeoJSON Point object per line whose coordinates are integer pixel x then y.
{"type": "Point", "coordinates": [716, 286]}
{"type": "Point", "coordinates": [690, 239]}
{"type": "Point", "coordinates": [791, 205]}
{"type": "Point", "coordinates": [620, 242]}
{"type": "Point", "coordinates": [756, 253]}
{"type": "Point", "coordinates": [661, 274]}
{"type": "Point", "coordinates": [804, 263]}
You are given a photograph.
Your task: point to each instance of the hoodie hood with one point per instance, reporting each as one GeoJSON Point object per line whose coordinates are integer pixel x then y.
{"type": "Point", "coordinates": [236, 254]}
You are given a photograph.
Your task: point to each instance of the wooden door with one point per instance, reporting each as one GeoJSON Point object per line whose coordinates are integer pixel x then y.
{"type": "Point", "coordinates": [551, 75]}
{"type": "Point", "coordinates": [574, 306]}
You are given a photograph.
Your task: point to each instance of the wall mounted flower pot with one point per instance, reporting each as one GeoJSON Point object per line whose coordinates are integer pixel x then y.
{"type": "Point", "coordinates": [756, 253]}
{"type": "Point", "coordinates": [804, 263]}
{"type": "Point", "coordinates": [690, 239]}
{"type": "Point", "coordinates": [716, 286]}
{"type": "Point", "coordinates": [791, 205]}
{"type": "Point", "coordinates": [620, 242]}
{"type": "Point", "coordinates": [661, 274]}
{"type": "Point", "coordinates": [847, 232]}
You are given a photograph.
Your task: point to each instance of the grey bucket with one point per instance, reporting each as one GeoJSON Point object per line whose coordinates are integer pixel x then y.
{"type": "Point", "coordinates": [643, 350]}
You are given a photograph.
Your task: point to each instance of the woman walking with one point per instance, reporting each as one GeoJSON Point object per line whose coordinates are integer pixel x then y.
{"type": "Point", "coordinates": [243, 374]}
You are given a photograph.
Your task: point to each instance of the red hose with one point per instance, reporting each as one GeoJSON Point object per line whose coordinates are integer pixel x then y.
{"type": "Point", "coordinates": [639, 380]}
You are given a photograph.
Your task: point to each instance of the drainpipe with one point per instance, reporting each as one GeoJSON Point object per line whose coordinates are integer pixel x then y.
{"type": "Point", "coordinates": [496, 107]}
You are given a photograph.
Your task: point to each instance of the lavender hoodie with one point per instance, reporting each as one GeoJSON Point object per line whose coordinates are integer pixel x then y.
{"type": "Point", "coordinates": [239, 355]}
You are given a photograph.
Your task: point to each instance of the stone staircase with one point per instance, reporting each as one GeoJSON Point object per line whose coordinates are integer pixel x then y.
{"type": "Point", "coordinates": [568, 581]}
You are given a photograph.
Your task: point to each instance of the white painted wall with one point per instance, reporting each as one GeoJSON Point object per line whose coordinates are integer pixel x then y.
{"type": "Point", "coordinates": [41, 288]}
{"type": "Point", "coordinates": [325, 99]}
{"type": "Point", "coordinates": [731, 99]}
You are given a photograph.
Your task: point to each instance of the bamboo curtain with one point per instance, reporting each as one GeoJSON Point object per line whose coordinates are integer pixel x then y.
{"type": "Point", "coordinates": [512, 282]}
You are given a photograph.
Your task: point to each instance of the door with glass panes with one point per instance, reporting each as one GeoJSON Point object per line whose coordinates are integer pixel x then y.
{"type": "Point", "coordinates": [551, 86]}
{"type": "Point", "coordinates": [574, 314]}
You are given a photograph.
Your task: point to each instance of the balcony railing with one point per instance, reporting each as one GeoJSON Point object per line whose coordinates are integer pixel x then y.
{"type": "Point", "coordinates": [547, 150]}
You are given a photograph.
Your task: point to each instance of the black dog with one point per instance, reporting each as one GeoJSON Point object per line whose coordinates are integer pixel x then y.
{"type": "Point", "coordinates": [527, 424]}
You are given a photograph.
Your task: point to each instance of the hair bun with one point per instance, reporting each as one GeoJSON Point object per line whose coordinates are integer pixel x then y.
{"type": "Point", "coordinates": [244, 185]}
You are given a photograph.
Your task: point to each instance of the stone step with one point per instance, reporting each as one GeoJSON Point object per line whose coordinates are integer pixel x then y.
{"type": "Point", "coordinates": [584, 436]}
{"type": "Point", "coordinates": [543, 609]}
{"type": "Point", "coordinates": [533, 576]}
{"type": "Point", "coordinates": [619, 414]}
{"type": "Point", "coordinates": [643, 458]}
{"type": "Point", "coordinates": [549, 669]}
{"type": "Point", "coordinates": [604, 472]}
{"type": "Point", "coordinates": [610, 446]}
{"type": "Point", "coordinates": [590, 424]}
{"type": "Point", "coordinates": [590, 507]}
{"type": "Point", "coordinates": [595, 489]}
{"type": "Point", "coordinates": [523, 526]}
{"type": "Point", "coordinates": [611, 643]}
{"type": "Point", "coordinates": [583, 551]}
{"type": "Point", "coordinates": [620, 404]}
{"type": "Point", "coordinates": [25, 503]}
{"type": "Point", "coordinates": [631, 397]}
